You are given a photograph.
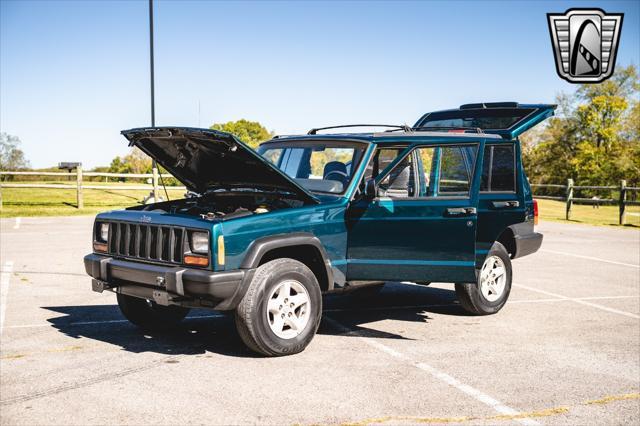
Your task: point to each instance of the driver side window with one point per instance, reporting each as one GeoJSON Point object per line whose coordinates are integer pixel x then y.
{"type": "Point", "coordinates": [431, 171]}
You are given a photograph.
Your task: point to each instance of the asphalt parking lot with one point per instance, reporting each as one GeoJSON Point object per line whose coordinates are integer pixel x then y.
{"type": "Point", "coordinates": [564, 350]}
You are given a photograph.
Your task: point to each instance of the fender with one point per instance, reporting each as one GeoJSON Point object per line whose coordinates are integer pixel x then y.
{"type": "Point", "coordinates": [258, 248]}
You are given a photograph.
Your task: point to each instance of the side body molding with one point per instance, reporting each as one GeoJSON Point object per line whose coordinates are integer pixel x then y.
{"type": "Point", "coordinates": [258, 248]}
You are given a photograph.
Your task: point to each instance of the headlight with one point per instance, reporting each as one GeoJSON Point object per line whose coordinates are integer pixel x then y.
{"type": "Point", "coordinates": [200, 242]}
{"type": "Point", "coordinates": [103, 232]}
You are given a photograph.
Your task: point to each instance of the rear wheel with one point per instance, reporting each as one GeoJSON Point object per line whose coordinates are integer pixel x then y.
{"type": "Point", "coordinates": [281, 310]}
{"type": "Point", "coordinates": [489, 294]}
{"type": "Point", "coordinates": [148, 314]}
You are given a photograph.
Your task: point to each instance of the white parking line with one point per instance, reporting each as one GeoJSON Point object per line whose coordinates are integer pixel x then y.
{"type": "Point", "coordinates": [96, 322]}
{"type": "Point", "coordinates": [440, 375]}
{"type": "Point", "coordinates": [17, 224]}
{"type": "Point", "coordinates": [580, 301]}
{"type": "Point", "coordinates": [590, 258]}
{"type": "Point", "coordinates": [5, 277]}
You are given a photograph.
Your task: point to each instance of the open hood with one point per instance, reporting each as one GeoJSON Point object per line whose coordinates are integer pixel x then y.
{"type": "Point", "coordinates": [205, 159]}
{"type": "Point", "coordinates": [508, 119]}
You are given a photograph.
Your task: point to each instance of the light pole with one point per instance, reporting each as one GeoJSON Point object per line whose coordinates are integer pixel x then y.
{"type": "Point", "coordinates": [154, 165]}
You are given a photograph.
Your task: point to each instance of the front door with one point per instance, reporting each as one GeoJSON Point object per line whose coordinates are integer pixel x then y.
{"type": "Point", "coordinates": [422, 224]}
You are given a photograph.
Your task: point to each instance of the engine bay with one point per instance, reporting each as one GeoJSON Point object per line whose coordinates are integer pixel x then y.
{"type": "Point", "coordinates": [224, 205]}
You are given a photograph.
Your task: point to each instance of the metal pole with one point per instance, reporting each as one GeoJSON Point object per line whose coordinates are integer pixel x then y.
{"type": "Point", "coordinates": [154, 166]}
{"type": "Point", "coordinates": [153, 106]}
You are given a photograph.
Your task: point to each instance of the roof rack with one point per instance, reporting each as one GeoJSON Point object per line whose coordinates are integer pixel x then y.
{"type": "Point", "coordinates": [450, 128]}
{"type": "Point", "coordinates": [403, 127]}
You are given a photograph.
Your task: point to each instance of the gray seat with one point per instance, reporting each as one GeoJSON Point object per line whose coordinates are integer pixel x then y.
{"type": "Point", "coordinates": [335, 170]}
{"type": "Point", "coordinates": [401, 181]}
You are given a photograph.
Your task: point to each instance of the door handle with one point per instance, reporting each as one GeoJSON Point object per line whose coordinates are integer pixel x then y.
{"type": "Point", "coordinates": [461, 211]}
{"type": "Point", "coordinates": [505, 204]}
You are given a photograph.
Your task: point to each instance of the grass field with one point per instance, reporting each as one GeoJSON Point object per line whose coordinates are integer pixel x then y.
{"type": "Point", "coordinates": [62, 202]}
{"type": "Point", "coordinates": [604, 215]}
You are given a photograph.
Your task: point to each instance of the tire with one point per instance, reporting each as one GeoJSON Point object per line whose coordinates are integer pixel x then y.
{"type": "Point", "coordinates": [483, 297]}
{"type": "Point", "coordinates": [149, 315]}
{"type": "Point", "coordinates": [266, 323]}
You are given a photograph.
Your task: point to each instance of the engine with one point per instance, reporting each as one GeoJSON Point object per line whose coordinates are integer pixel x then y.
{"type": "Point", "coordinates": [224, 206]}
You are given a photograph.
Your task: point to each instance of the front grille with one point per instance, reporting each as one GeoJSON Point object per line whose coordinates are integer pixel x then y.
{"type": "Point", "coordinates": [146, 242]}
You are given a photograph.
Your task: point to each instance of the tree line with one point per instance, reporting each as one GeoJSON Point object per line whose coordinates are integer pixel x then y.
{"type": "Point", "coordinates": [594, 138]}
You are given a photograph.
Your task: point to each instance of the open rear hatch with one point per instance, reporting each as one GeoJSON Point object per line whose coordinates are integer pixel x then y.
{"type": "Point", "coordinates": [206, 159]}
{"type": "Point", "coordinates": [508, 119]}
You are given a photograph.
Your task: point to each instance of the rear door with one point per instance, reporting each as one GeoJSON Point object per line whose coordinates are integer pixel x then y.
{"type": "Point", "coordinates": [508, 119]}
{"type": "Point", "coordinates": [501, 200]}
{"type": "Point", "coordinates": [422, 225]}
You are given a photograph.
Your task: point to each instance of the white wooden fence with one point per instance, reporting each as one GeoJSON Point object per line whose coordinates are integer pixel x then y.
{"type": "Point", "coordinates": [568, 197]}
{"type": "Point", "coordinates": [79, 185]}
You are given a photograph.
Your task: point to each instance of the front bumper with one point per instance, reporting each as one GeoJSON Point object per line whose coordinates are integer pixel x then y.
{"type": "Point", "coordinates": [168, 285]}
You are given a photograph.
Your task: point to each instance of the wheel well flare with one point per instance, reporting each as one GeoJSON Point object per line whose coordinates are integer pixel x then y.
{"type": "Point", "coordinates": [307, 254]}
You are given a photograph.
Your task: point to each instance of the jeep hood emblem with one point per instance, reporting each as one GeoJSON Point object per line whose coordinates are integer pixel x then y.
{"type": "Point", "coordinates": [145, 219]}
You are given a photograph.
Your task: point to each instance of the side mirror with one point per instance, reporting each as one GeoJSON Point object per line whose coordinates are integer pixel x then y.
{"type": "Point", "coordinates": [370, 189]}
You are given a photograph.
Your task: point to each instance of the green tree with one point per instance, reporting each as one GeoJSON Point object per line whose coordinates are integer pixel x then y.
{"type": "Point", "coordinates": [595, 137]}
{"type": "Point", "coordinates": [250, 132]}
{"type": "Point", "coordinates": [134, 162]}
{"type": "Point", "coordinates": [11, 156]}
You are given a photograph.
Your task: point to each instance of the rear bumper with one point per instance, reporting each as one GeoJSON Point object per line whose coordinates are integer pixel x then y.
{"type": "Point", "coordinates": [527, 244]}
{"type": "Point", "coordinates": [173, 285]}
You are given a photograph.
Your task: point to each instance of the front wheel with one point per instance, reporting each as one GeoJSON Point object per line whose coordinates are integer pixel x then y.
{"type": "Point", "coordinates": [489, 294]}
{"type": "Point", "coordinates": [281, 310]}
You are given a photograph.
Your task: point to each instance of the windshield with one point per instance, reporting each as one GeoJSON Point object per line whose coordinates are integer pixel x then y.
{"type": "Point", "coordinates": [324, 167]}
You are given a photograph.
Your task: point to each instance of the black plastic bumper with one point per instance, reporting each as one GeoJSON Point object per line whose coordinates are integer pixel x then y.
{"type": "Point", "coordinates": [169, 284]}
{"type": "Point", "coordinates": [527, 244]}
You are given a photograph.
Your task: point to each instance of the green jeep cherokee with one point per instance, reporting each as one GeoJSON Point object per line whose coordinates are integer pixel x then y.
{"type": "Point", "coordinates": [266, 233]}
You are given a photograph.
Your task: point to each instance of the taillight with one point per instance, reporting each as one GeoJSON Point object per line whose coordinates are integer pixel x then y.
{"type": "Point", "coordinates": [535, 212]}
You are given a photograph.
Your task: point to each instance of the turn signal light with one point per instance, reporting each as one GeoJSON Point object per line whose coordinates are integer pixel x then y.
{"type": "Point", "coordinates": [196, 260]}
{"type": "Point", "coordinates": [101, 247]}
{"type": "Point", "coordinates": [535, 212]}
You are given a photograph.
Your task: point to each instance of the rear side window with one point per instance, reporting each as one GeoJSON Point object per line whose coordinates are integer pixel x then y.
{"type": "Point", "coordinates": [455, 172]}
{"type": "Point", "coordinates": [498, 170]}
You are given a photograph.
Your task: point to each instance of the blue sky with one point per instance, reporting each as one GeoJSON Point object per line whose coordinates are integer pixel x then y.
{"type": "Point", "coordinates": [73, 74]}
